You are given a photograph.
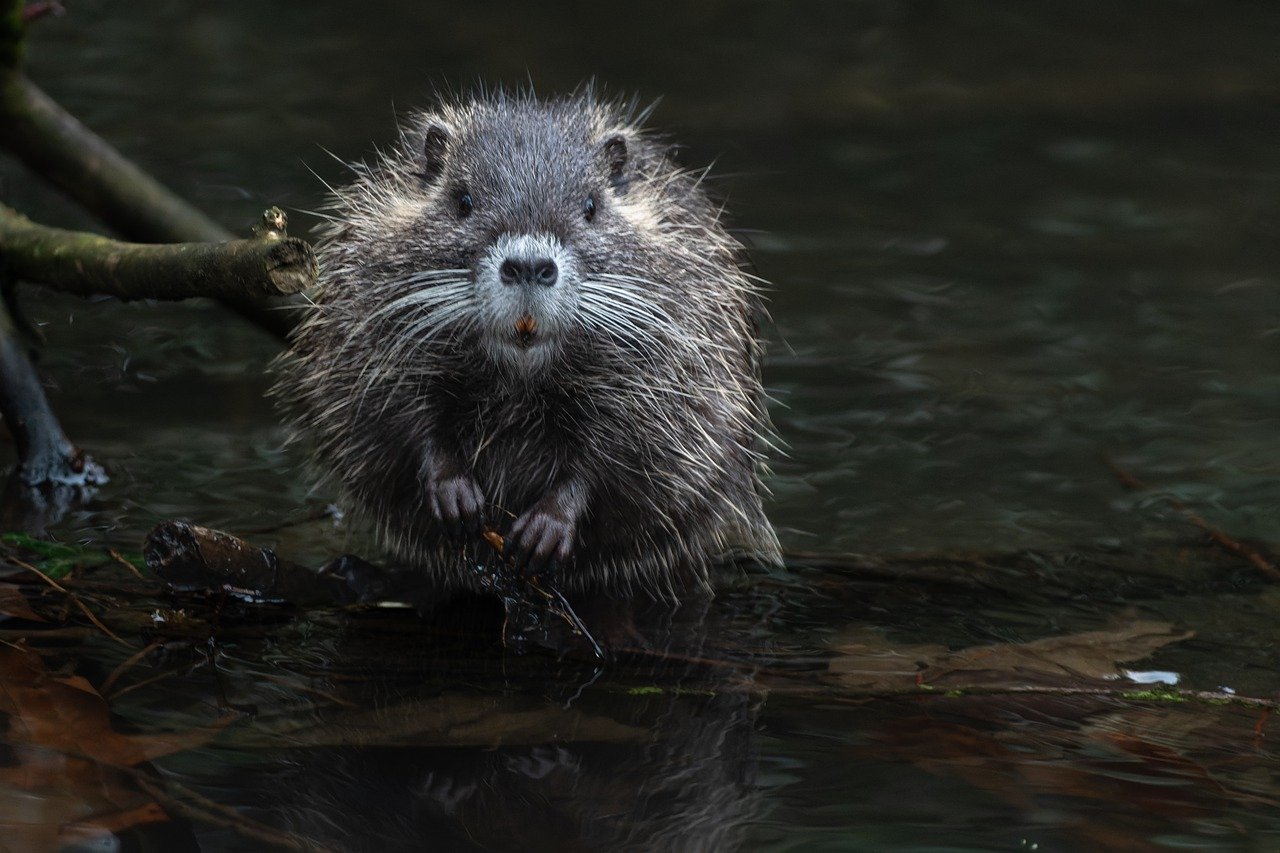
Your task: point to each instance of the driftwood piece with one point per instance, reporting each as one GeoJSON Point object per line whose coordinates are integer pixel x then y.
{"type": "Point", "coordinates": [83, 263]}
{"type": "Point", "coordinates": [194, 559]}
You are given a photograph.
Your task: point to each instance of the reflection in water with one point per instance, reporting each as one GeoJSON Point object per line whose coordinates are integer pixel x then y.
{"type": "Point", "coordinates": [34, 509]}
{"type": "Point", "coordinates": [660, 756]}
{"type": "Point", "coordinates": [684, 783]}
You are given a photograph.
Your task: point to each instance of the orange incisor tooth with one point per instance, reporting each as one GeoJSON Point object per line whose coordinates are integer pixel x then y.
{"type": "Point", "coordinates": [526, 325]}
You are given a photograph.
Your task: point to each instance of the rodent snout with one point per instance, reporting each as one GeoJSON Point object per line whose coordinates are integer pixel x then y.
{"type": "Point", "coordinates": [523, 270]}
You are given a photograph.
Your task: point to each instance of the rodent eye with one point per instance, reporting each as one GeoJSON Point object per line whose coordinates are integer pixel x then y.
{"type": "Point", "coordinates": [589, 209]}
{"type": "Point", "coordinates": [465, 205]}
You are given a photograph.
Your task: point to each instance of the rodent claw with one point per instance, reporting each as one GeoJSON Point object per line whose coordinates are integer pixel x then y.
{"type": "Point", "coordinates": [458, 505]}
{"type": "Point", "coordinates": [540, 542]}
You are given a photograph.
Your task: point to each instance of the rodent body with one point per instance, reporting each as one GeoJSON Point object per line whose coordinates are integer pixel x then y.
{"type": "Point", "coordinates": [530, 318]}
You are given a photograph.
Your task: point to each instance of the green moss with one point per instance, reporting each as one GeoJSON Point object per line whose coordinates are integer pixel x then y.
{"type": "Point", "coordinates": [53, 559]}
{"type": "Point", "coordinates": [645, 691]}
{"type": "Point", "coordinates": [57, 559]}
{"type": "Point", "coordinates": [1155, 694]}
{"type": "Point", "coordinates": [654, 690]}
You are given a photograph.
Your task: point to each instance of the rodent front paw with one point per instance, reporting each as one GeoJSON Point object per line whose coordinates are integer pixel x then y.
{"type": "Point", "coordinates": [458, 505]}
{"type": "Point", "coordinates": [540, 541]}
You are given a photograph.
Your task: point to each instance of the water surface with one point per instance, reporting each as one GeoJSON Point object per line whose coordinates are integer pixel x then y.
{"type": "Point", "coordinates": [1005, 245]}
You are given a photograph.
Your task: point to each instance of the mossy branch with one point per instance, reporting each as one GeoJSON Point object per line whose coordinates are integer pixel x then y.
{"type": "Point", "coordinates": [56, 146]}
{"type": "Point", "coordinates": [247, 275]}
{"type": "Point", "coordinates": [82, 263]}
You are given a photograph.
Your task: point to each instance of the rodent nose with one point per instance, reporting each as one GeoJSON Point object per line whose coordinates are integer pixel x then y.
{"type": "Point", "coordinates": [541, 271]}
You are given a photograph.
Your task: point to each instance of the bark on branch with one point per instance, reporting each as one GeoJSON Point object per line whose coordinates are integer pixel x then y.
{"type": "Point", "coordinates": [56, 146]}
{"type": "Point", "coordinates": [85, 264]}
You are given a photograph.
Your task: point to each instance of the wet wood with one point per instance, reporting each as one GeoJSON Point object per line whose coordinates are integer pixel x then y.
{"type": "Point", "coordinates": [61, 150]}
{"type": "Point", "coordinates": [86, 264]}
{"type": "Point", "coordinates": [47, 460]}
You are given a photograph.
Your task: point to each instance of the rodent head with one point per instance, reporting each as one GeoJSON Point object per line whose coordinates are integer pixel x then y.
{"type": "Point", "coordinates": [525, 212]}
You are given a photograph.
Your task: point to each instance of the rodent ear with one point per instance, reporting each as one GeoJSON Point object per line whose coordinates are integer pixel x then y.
{"type": "Point", "coordinates": [435, 142]}
{"type": "Point", "coordinates": [613, 152]}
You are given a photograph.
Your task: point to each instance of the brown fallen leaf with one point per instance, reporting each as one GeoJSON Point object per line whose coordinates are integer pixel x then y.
{"type": "Point", "coordinates": [69, 781]}
{"type": "Point", "coordinates": [14, 604]}
{"type": "Point", "coordinates": [51, 801]}
{"type": "Point", "coordinates": [65, 713]}
{"type": "Point", "coordinates": [865, 660]}
{"type": "Point", "coordinates": [1093, 655]}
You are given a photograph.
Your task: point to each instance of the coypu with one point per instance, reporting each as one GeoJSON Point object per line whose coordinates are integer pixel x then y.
{"type": "Point", "coordinates": [529, 317]}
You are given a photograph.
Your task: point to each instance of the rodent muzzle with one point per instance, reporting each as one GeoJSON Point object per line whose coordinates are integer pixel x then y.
{"type": "Point", "coordinates": [529, 271]}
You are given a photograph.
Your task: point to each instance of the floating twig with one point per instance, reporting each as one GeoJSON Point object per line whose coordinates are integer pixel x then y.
{"type": "Point", "coordinates": [115, 555]}
{"type": "Point", "coordinates": [1222, 540]}
{"type": "Point", "coordinates": [73, 598]}
{"type": "Point", "coordinates": [129, 663]}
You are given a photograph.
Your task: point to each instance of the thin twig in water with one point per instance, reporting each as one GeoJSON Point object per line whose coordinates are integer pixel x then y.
{"type": "Point", "coordinates": [317, 515]}
{"type": "Point", "coordinates": [1239, 549]}
{"type": "Point", "coordinates": [115, 555]}
{"type": "Point", "coordinates": [73, 599]}
{"type": "Point", "coordinates": [128, 664]}
{"type": "Point", "coordinates": [147, 682]}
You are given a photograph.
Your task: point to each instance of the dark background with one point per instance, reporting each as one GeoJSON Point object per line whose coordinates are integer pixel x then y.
{"type": "Point", "coordinates": [1005, 239]}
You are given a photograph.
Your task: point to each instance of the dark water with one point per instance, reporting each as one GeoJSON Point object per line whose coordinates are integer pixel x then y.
{"type": "Point", "coordinates": [1006, 242]}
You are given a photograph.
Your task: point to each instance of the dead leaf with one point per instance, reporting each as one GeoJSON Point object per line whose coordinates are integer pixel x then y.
{"type": "Point", "coordinates": [15, 605]}
{"type": "Point", "coordinates": [66, 714]}
{"type": "Point", "coordinates": [865, 660]}
{"type": "Point", "coordinates": [51, 790]}
{"type": "Point", "coordinates": [67, 783]}
{"type": "Point", "coordinates": [1090, 655]}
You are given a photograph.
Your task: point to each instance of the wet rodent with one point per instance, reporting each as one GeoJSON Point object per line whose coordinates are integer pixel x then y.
{"type": "Point", "coordinates": [530, 317]}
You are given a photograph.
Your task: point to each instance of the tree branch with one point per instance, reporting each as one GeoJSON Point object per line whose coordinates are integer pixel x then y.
{"type": "Point", "coordinates": [53, 143]}
{"type": "Point", "coordinates": [45, 454]}
{"type": "Point", "coordinates": [83, 263]}
{"type": "Point", "coordinates": [56, 146]}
